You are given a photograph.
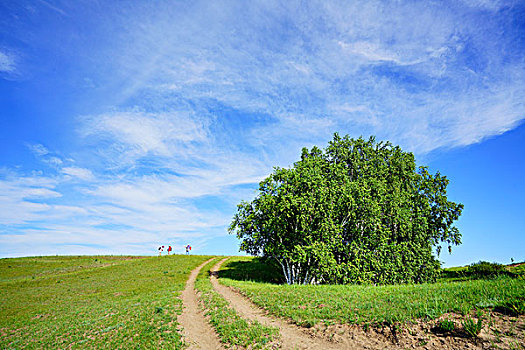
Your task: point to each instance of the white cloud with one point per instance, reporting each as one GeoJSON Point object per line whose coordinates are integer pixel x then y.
{"type": "Point", "coordinates": [55, 161]}
{"type": "Point", "coordinates": [39, 193]}
{"type": "Point", "coordinates": [375, 53]}
{"type": "Point", "coordinates": [23, 198]}
{"type": "Point", "coordinates": [140, 133]}
{"type": "Point", "coordinates": [7, 63]}
{"type": "Point", "coordinates": [143, 212]}
{"type": "Point", "coordinates": [492, 5]}
{"type": "Point", "coordinates": [321, 57]}
{"type": "Point", "coordinates": [52, 7]}
{"type": "Point", "coordinates": [80, 173]}
{"type": "Point", "coordinates": [38, 149]}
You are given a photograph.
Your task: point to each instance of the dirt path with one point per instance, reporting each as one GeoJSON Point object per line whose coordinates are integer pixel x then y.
{"type": "Point", "coordinates": [292, 336]}
{"type": "Point", "coordinates": [197, 331]}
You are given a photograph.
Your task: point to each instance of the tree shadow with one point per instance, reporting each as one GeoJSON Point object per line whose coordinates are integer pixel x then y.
{"type": "Point", "coordinates": [256, 270]}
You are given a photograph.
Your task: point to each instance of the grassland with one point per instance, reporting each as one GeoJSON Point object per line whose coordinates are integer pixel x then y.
{"type": "Point", "coordinates": [230, 327]}
{"type": "Point", "coordinates": [92, 302]}
{"type": "Point", "coordinates": [309, 305]}
{"type": "Point", "coordinates": [132, 302]}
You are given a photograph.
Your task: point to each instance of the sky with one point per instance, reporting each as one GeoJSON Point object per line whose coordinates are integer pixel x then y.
{"type": "Point", "coordinates": [125, 125]}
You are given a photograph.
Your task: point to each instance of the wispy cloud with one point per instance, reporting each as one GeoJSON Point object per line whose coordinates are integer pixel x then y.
{"type": "Point", "coordinates": [135, 134]}
{"type": "Point", "coordinates": [373, 52]}
{"type": "Point", "coordinates": [7, 63]}
{"type": "Point", "coordinates": [53, 7]}
{"type": "Point", "coordinates": [139, 213]}
{"type": "Point", "coordinates": [326, 56]}
{"type": "Point", "coordinates": [80, 173]}
{"type": "Point", "coordinates": [38, 149]}
{"type": "Point", "coordinates": [23, 198]}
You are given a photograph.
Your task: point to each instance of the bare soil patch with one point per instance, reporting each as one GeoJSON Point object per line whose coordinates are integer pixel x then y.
{"type": "Point", "coordinates": [499, 332]}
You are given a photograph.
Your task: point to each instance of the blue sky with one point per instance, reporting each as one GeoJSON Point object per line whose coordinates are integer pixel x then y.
{"type": "Point", "coordinates": [126, 125]}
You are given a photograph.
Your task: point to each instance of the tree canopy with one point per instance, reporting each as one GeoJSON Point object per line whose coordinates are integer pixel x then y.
{"type": "Point", "coordinates": [358, 211]}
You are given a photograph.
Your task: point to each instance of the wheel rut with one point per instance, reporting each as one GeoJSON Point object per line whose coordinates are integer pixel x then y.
{"type": "Point", "coordinates": [292, 337]}
{"type": "Point", "coordinates": [197, 332]}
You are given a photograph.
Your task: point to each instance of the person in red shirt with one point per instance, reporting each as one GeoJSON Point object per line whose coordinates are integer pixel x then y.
{"type": "Point", "coordinates": [169, 250]}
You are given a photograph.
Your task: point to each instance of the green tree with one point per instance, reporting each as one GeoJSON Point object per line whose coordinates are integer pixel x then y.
{"type": "Point", "coordinates": [356, 212]}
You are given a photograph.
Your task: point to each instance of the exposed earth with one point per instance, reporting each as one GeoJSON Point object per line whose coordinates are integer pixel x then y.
{"type": "Point", "coordinates": [197, 332]}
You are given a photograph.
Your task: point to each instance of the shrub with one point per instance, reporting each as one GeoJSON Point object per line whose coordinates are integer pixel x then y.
{"type": "Point", "coordinates": [483, 269]}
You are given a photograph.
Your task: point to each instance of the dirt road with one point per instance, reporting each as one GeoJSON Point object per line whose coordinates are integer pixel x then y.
{"type": "Point", "coordinates": [197, 331]}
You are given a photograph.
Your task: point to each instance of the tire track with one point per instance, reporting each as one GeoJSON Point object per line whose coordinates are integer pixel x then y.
{"type": "Point", "coordinates": [197, 332]}
{"type": "Point", "coordinates": [292, 337]}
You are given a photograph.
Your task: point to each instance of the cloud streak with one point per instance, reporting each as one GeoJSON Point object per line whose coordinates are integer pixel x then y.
{"type": "Point", "coordinates": [325, 58]}
{"type": "Point", "coordinates": [7, 63]}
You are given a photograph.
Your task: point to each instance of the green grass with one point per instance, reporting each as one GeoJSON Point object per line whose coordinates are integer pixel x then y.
{"type": "Point", "coordinates": [92, 302]}
{"type": "Point", "coordinates": [446, 326]}
{"type": "Point", "coordinates": [308, 305]}
{"type": "Point", "coordinates": [472, 328]}
{"type": "Point", "coordinates": [231, 328]}
{"type": "Point", "coordinates": [44, 266]}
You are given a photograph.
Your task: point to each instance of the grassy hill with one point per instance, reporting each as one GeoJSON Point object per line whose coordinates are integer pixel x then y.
{"type": "Point", "coordinates": [132, 302]}
{"type": "Point", "coordinates": [92, 301]}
